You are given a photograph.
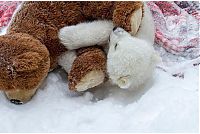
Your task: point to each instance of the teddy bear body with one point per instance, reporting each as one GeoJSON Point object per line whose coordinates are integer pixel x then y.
{"type": "Point", "coordinates": [42, 20]}
{"type": "Point", "coordinates": [31, 46]}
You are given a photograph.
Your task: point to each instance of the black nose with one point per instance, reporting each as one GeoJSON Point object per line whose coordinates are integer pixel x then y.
{"type": "Point", "coordinates": [16, 102]}
{"type": "Point", "coordinates": [115, 28]}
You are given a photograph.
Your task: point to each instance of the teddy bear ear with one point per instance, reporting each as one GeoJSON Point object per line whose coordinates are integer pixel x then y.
{"type": "Point", "coordinates": [28, 61]}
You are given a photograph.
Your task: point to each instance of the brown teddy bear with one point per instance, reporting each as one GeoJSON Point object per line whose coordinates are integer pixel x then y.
{"type": "Point", "coordinates": [31, 47]}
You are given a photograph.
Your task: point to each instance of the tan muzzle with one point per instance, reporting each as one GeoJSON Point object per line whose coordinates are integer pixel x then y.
{"type": "Point", "coordinates": [20, 96]}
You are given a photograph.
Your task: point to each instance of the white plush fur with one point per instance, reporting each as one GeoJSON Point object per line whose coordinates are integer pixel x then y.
{"type": "Point", "coordinates": [86, 34]}
{"type": "Point", "coordinates": [130, 61]}
{"type": "Point", "coordinates": [146, 30]}
{"type": "Point", "coordinates": [66, 60]}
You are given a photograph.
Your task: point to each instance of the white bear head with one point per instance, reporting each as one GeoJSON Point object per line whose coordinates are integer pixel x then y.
{"type": "Point", "coordinates": [130, 61]}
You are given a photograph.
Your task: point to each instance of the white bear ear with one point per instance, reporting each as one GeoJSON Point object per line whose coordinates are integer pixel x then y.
{"type": "Point", "coordinates": [124, 82]}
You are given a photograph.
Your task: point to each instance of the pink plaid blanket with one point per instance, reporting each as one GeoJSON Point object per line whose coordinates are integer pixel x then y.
{"type": "Point", "coordinates": [7, 9]}
{"type": "Point", "coordinates": [177, 27]}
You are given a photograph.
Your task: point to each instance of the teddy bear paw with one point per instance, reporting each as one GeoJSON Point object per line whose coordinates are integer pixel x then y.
{"type": "Point", "coordinates": [92, 79]}
{"type": "Point", "coordinates": [136, 19]}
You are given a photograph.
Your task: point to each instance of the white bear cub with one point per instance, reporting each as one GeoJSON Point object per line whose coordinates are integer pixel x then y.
{"type": "Point", "coordinates": [130, 60]}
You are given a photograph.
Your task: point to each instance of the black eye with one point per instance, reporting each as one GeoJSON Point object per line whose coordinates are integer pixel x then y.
{"type": "Point", "coordinates": [109, 40]}
{"type": "Point", "coordinates": [116, 46]}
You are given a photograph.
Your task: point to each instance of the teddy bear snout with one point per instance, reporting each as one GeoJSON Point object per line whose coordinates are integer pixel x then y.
{"type": "Point", "coordinates": [16, 102]}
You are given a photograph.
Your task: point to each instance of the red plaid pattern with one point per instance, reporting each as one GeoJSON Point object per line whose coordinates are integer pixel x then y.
{"type": "Point", "coordinates": [168, 14]}
{"type": "Point", "coordinates": [7, 9]}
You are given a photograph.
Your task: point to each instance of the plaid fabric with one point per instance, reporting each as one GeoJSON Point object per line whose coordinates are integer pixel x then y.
{"type": "Point", "coordinates": [192, 7]}
{"type": "Point", "coordinates": [7, 9]}
{"type": "Point", "coordinates": [177, 29]}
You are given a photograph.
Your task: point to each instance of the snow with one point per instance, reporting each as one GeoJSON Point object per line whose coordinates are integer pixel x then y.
{"type": "Point", "coordinates": [164, 104]}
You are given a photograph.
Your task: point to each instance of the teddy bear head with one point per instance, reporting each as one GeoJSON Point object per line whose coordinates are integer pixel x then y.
{"type": "Point", "coordinates": [24, 62]}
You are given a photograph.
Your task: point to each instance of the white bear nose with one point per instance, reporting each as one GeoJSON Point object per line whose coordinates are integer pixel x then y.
{"type": "Point", "coordinates": [118, 31]}
{"type": "Point", "coordinates": [115, 28]}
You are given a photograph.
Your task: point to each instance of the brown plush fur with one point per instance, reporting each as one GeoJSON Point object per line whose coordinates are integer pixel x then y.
{"type": "Point", "coordinates": [123, 11]}
{"type": "Point", "coordinates": [120, 12]}
{"type": "Point", "coordinates": [43, 20]}
{"type": "Point", "coordinates": [37, 25]}
{"type": "Point", "coordinates": [22, 65]}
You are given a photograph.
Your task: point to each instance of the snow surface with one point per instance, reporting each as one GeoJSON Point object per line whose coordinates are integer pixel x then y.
{"type": "Point", "coordinates": [164, 104]}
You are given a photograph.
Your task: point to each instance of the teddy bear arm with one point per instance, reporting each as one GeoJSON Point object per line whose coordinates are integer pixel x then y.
{"type": "Point", "coordinates": [86, 34]}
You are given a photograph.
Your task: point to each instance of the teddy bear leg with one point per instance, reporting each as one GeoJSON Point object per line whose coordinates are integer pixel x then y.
{"type": "Point", "coordinates": [88, 69]}
{"type": "Point", "coordinates": [91, 79]}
